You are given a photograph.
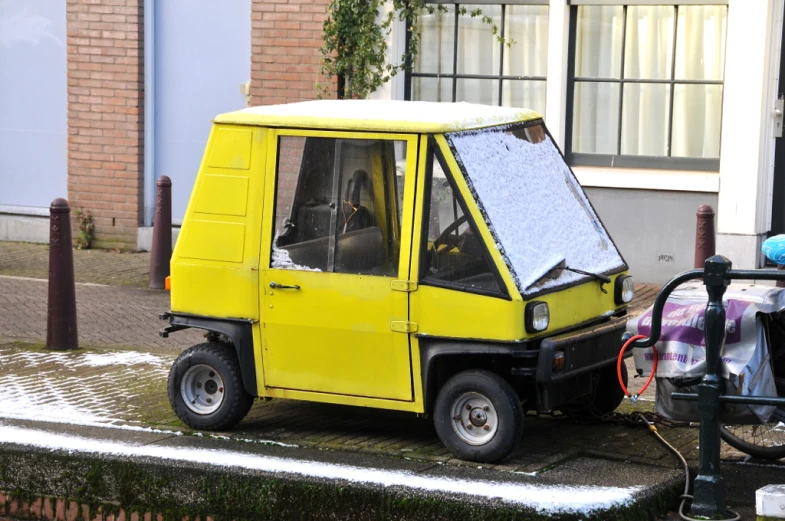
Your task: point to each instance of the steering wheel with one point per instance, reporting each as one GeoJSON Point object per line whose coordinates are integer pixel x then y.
{"type": "Point", "coordinates": [442, 238]}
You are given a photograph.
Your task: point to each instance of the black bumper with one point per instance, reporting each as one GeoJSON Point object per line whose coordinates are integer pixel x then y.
{"type": "Point", "coordinates": [584, 351]}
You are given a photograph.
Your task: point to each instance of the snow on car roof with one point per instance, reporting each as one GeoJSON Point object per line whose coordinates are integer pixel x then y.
{"type": "Point", "coordinates": [378, 115]}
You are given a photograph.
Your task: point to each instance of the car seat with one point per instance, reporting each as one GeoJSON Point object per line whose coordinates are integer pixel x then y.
{"type": "Point", "coordinates": [355, 215]}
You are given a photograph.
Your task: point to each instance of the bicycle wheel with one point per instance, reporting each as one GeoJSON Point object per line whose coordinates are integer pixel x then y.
{"type": "Point", "coordinates": [763, 440]}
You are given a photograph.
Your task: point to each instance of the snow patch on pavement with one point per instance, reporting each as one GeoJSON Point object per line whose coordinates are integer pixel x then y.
{"type": "Point", "coordinates": [126, 358]}
{"type": "Point", "coordinates": [551, 498]}
{"type": "Point", "coordinates": [65, 387]}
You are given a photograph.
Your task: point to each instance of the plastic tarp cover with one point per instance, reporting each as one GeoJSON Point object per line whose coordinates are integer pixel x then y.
{"type": "Point", "coordinates": [746, 364]}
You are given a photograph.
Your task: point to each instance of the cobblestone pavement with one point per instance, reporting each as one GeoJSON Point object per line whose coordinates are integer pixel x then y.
{"type": "Point", "coordinates": [120, 379]}
{"type": "Point", "coordinates": [120, 387]}
{"type": "Point", "coordinates": [22, 259]}
{"type": "Point", "coordinates": [108, 316]}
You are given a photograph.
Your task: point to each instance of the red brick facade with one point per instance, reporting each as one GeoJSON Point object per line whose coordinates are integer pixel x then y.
{"type": "Point", "coordinates": [105, 115]}
{"type": "Point", "coordinates": [285, 39]}
{"type": "Point", "coordinates": [46, 508]}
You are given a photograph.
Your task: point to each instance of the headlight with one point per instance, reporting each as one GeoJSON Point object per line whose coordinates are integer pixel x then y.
{"type": "Point", "coordinates": [538, 316]}
{"type": "Point", "coordinates": [625, 289]}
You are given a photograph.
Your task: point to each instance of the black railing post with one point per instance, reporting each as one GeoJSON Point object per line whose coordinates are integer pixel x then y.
{"type": "Point", "coordinates": [709, 487]}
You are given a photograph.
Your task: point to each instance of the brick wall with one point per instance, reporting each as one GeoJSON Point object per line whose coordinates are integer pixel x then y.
{"type": "Point", "coordinates": [285, 39]}
{"type": "Point", "coordinates": [289, 162]}
{"type": "Point", "coordinates": [105, 115]}
{"type": "Point", "coordinates": [46, 508]}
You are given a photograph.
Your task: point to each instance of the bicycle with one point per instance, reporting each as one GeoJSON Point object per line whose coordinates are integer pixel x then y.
{"type": "Point", "coordinates": [765, 440]}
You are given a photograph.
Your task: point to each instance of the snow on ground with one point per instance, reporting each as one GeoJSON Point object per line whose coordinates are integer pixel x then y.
{"type": "Point", "coordinates": [126, 358]}
{"type": "Point", "coordinates": [535, 207]}
{"type": "Point", "coordinates": [550, 498]}
{"type": "Point", "coordinates": [95, 388]}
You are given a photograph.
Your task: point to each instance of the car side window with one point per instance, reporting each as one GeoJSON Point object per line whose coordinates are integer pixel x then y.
{"type": "Point", "coordinates": [337, 205]}
{"type": "Point", "coordinates": [453, 251]}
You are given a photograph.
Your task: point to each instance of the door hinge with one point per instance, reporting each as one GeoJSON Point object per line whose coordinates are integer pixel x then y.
{"type": "Point", "coordinates": [403, 285]}
{"type": "Point", "coordinates": [402, 326]}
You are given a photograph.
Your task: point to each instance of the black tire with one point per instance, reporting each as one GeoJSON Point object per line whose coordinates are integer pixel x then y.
{"type": "Point", "coordinates": [210, 359]}
{"type": "Point", "coordinates": [605, 397]}
{"type": "Point", "coordinates": [764, 440]}
{"type": "Point", "coordinates": [506, 408]}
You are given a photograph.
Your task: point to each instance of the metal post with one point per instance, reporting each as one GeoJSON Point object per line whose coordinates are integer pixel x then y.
{"type": "Point", "coordinates": [162, 234]}
{"type": "Point", "coordinates": [709, 487]}
{"type": "Point", "coordinates": [704, 235]}
{"type": "Point", "coordinates": [61, 331]}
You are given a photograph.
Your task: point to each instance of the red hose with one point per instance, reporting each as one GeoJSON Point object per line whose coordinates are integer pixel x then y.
{"type": "Point", "coordinates": [621, 360]}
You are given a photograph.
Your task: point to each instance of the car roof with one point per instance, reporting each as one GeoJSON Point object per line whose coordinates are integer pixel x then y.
{"type": "Point", "coordinates": [378, 115]}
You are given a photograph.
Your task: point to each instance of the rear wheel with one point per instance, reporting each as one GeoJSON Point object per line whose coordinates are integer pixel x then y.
{"type": "Point", "coordinates": [478, 416]}
{"type": "Point", "coordinates": [206, 389]}
{"type": "Point", "coordinates": [605, 397]}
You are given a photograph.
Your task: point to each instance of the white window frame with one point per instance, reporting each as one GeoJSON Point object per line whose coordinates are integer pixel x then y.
{"type": "Point", "coordinates": [669, 163]}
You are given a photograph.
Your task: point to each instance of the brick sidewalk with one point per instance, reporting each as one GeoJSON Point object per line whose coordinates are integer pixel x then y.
{"type": "Point", "coordinates": [108, 316]}
{"type": "Point", "coordinates": [97, 266]}
{"type": "Point", "coordinates": [132, 391]}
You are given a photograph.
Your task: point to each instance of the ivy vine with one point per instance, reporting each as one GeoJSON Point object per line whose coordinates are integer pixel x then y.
{"type": "Point", "coordinates": [354, 51]}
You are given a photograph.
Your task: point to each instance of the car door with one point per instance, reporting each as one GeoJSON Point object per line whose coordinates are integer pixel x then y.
{"type": "Point", "coordinates": [335, 241]}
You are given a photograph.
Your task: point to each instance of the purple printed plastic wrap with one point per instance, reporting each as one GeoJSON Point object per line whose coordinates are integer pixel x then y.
{"type": "Point", "coordinates": [682, 356]}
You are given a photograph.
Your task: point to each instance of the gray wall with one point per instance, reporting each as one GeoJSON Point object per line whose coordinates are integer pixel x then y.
{"type": "Point", "coordinates": [655, 231]}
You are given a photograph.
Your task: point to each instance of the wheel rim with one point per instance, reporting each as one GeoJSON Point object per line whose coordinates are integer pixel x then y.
{"type": "Point", "coordinates": [474, 418]}
{"type": "Point", "coordinates": [202, 389]}
{"type": "Point", "coordinates": [762, 439]}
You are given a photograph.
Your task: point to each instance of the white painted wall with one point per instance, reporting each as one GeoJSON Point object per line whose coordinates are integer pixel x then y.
{"type": "Point", "coordinates": [202, 55]}
{"type": "Point", "coordinates": [747, 157]}
{"type": "Point", "coordinates": [33, 102]}
{"type": "Point", "coordinates": [556, 82]}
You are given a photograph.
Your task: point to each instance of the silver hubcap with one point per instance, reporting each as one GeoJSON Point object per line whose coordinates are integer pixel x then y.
{"type": "Point", "coordinates": [202, 389]}
{"type": "Point", "coordinates": [474, 418]}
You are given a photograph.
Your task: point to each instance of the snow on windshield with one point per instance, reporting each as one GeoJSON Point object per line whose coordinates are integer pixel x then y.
{"type": "Point", "coordinates": [537, 211]}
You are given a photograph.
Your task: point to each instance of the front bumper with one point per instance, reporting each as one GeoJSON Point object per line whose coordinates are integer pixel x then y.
{"type": "Point", "coordinates": [584, 351]}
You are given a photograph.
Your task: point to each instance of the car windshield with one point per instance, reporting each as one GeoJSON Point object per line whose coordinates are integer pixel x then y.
{"type": "Point", "coordinates": [539, 215]}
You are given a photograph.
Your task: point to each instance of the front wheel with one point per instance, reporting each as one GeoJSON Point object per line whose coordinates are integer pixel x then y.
{"type": "Point", "coordinates": [478, 416]}
{"type": "Point", "coordinates": [206, 388]}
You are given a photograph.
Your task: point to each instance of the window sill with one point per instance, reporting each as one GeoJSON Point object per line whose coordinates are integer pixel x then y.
{"type": "Point", "coordinates": [643, 179]}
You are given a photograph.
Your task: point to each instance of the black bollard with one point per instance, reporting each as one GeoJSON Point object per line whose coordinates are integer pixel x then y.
{"type": "Point", "coordinates": [704, 235]}
{"type": "Point", "coordinates": [709, 487]}
{"type": "Point", "coordinates": [61, 306]}
{"type": "Point", "coordinates": [161, 252]}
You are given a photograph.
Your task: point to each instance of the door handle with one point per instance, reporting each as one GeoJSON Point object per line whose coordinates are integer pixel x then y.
{"type": "Point", "coordinates": [275, 285]}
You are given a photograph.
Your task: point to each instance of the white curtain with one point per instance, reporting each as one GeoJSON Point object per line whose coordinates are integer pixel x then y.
{"type": "Point", "coordinates": [479, 52]}
{"type": "Point", "coordinates": [526, 26]}
{"type": "Point", "coordinates": [437, 33]}
{"type": "Point", "coordinates": [700, 55]}
{"type": "Point", "coordinates": [597, 55]}
{"type": "Point", "coordinates": [645, 118]}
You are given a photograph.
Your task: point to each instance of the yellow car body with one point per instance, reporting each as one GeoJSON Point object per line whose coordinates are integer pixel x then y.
{"type": "Point", "coordinates": [379, 332]}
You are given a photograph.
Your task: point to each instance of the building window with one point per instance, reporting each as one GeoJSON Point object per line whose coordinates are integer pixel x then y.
{"type": "Point", "coordinates": [647, 85]}
{"type": "Point", "coordinates": [461, 60]}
